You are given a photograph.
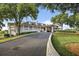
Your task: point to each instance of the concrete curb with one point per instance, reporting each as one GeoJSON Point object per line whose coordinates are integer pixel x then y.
{"type": "Point", "coordinates": [18, 37]}
{"type": "Point", "coordinates": [50, 48]}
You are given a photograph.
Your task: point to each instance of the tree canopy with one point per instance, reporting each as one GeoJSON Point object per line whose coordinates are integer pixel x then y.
{"type": "Point", "coordinates": [17, 11]}
{"type": "Point", "coordinates": [72, 20]}
{"type": "Point", "coordinates": [14, 11]}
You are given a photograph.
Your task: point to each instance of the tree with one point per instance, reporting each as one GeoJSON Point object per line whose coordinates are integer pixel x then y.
{"type": "Point", "coordinates": [74, 20]}
{"type": "Point", "coordinates": [63, 7]}
{"type": "Point", "coordinates": [2, 16]}
{"type": "Point", "coordinates": [60, 19]}
{"type": "Point", "coordinates": [19, 11]}
{"type": "Point", "coordinates": [71, 21]}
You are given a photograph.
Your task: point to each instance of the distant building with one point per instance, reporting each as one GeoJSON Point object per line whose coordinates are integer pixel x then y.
{"type": "Point", "coordinates": [29, 26]}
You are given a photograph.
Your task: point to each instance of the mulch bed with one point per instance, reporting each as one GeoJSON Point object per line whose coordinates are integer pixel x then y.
{"type": "Point", "coordinates": [73, 47]}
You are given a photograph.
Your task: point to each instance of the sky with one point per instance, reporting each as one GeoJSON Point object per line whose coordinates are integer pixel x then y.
{"type": "Point", "coordinates": [44, 16]}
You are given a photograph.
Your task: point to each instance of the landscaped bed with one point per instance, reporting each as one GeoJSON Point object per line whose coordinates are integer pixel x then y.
{"type": "Point", "coordinates": [66, 44]}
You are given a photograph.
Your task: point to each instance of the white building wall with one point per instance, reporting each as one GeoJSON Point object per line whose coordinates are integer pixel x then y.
{"type": "Point", "coordinates": [26, 29]}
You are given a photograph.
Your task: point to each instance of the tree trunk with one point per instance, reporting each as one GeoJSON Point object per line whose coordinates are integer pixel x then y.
{"type": "Point", "coordinates": [61, 26]}
{"type": "Point", "coordinates": [18, 24]}
{"type": "Point", "coordinates": [19, 28]}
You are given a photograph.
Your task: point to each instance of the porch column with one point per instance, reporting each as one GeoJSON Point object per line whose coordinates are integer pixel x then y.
{"type": "Point", "coordinates": [46, 29]}
{"type": "Point", "coordinates": [52, 29]}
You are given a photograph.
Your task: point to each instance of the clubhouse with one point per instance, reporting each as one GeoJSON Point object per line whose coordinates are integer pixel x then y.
{"type": "Point", "coordinates": [30, 26]}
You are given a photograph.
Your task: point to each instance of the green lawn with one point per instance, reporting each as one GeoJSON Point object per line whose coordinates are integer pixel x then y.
{"type": "Point", "coordinates": [60, 39]}
{"type": "Point", "coordinates": [12, 38]}
{"type": "Point", "coordinates": [7, 39]}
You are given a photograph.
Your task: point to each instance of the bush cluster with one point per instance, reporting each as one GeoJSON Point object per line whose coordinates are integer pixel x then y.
{"type": "Point", "coordinates": [27, 32]}
{"type": "Point", "coordinates": [8, 35]}
{"type": "Point", "coordinates": [68, 31]}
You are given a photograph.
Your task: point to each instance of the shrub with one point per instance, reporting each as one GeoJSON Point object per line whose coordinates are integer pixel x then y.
{"type": "Point", "coordinates": [68, 31]}
{"type": "Point", "coordinates": [27, 32]}
{"type": "Point", "coordinates": [1, 32]}
{"type": "Point", "coordinates": [7, 35]}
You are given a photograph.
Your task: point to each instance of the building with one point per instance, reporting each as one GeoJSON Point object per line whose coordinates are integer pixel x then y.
{"type": "Point", "coordinates": [29, 26]}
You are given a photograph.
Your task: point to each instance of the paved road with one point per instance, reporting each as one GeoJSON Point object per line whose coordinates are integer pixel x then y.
{"type": "Point", "coordinates": [31, 45]}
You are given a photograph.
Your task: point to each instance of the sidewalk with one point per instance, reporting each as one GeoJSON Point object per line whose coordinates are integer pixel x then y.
{"type": "Point", "coordinates": [50, 49]}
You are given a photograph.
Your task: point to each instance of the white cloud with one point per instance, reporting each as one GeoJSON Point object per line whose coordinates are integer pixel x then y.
{"type": "Point", "coordinates": [47, 22]}
{"type": "Point", "coordinates": [66, 27]}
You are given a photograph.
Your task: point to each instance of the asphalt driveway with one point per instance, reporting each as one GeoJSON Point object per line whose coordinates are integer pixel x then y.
{"type": "Point", "coordinates": [31, 45]}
